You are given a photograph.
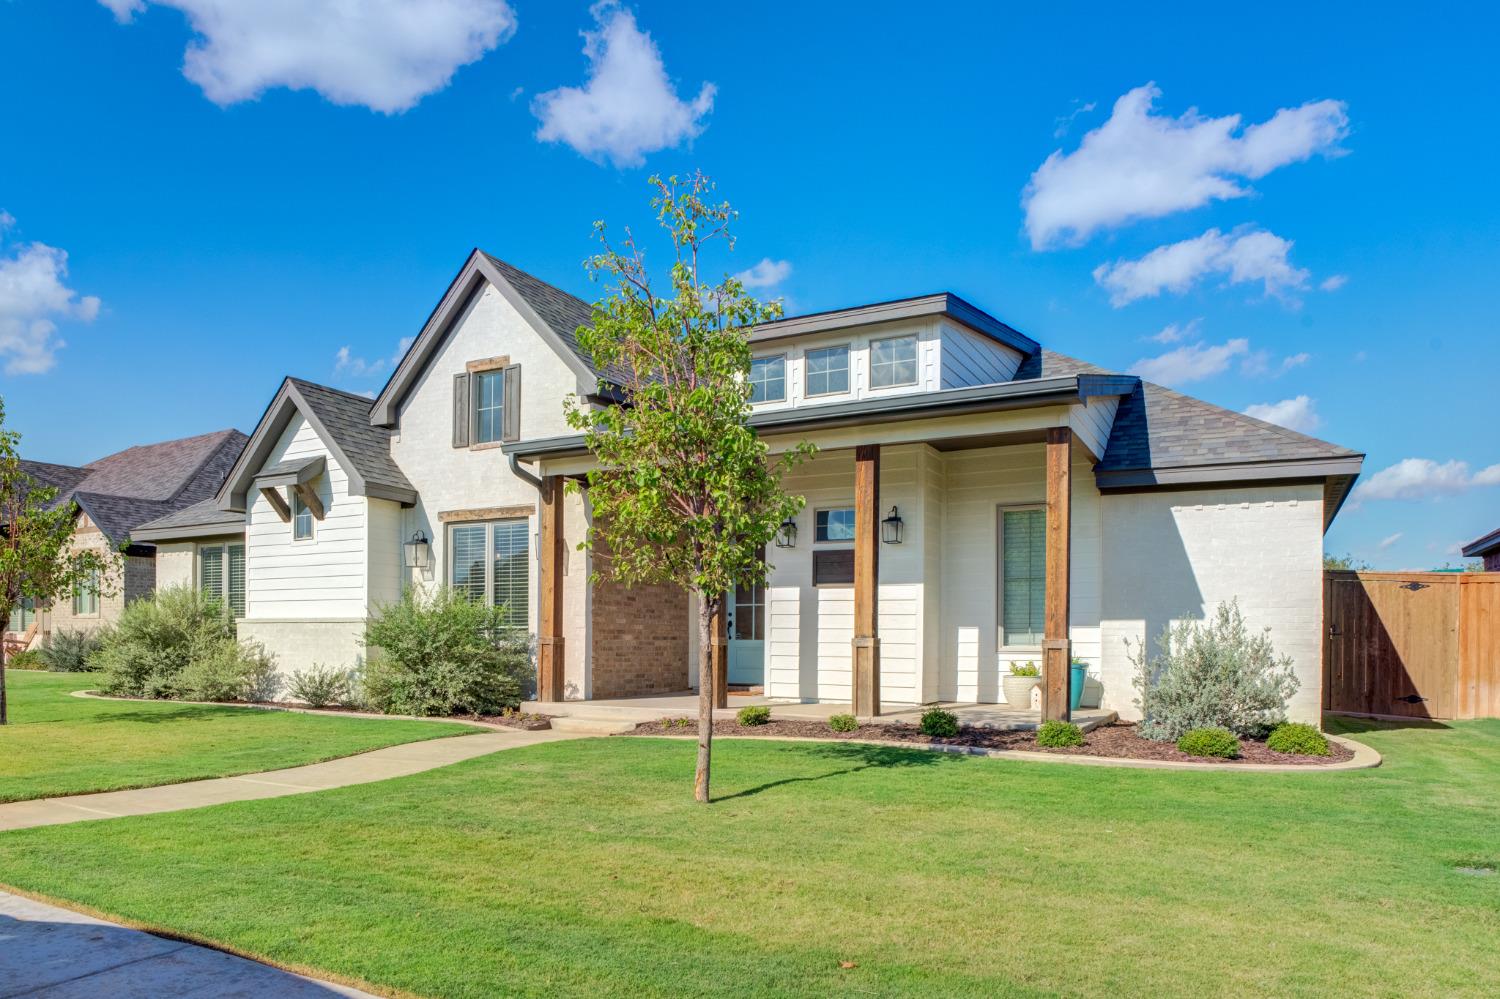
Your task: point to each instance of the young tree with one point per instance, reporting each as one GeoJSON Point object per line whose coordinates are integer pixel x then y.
{"type": "Point", "coordinates": [35, 557]}
{"type": "Point", "coordinates": [685, 491]}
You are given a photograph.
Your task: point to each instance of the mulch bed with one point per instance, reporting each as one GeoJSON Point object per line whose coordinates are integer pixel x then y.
{"type": "Point", "coordinates": [1119, 740]}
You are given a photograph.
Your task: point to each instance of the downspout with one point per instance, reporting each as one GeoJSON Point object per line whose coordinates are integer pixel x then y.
{"type": "Point", "coordinates": [522, 474]}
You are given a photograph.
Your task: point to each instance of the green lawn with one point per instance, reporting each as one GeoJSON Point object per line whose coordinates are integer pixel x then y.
{"type": "Point", "coordinates": [583, 868]}
{"type": "Point", "coordinates": [58, 744]}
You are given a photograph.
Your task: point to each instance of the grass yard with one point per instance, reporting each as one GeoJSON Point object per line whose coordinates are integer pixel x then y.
{"type": "Point", "coordinates": [584, 868]}
{"type": "Point", "coordinates": [58, 744]}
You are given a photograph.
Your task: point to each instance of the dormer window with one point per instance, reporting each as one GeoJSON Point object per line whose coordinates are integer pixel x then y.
{"type": "Point", "coordinates": [893, 362]}
{"type": "Point", "coordinates": [768, 379]}
{"type": "Point", "coordinates": [828, 370]}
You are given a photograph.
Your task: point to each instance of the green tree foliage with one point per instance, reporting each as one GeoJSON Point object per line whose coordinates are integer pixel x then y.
{"type": "Point", "coordinates": [1343, 563]}
{"type": "Point", "coordinates": [684, 492]}
{"type": "Point", "coordinates": [37, 560]}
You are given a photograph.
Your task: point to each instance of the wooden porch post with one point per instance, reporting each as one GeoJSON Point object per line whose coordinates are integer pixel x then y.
{"type": "Point", "coordinates": [549, 641]}
{"type": "Point", "coordinates": [719, 650]}
{"type": "Point", "coordinates": [866, 580]}
{"type": "Point", "coordinates": [1056, 649]}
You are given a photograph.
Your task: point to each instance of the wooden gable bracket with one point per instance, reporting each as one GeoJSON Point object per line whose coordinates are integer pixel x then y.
{"type": "Point", "coordinates": [273, 496]}
{"type": "Point", "coordinates": [309, 497]}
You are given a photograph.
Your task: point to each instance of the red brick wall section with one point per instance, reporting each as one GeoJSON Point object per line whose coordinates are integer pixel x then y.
{"type": "Point", "coordinates": [640, 640]}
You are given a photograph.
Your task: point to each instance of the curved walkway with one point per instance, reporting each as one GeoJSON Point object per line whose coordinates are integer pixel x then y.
{"type": "Point", "coordinates": [378, 764]}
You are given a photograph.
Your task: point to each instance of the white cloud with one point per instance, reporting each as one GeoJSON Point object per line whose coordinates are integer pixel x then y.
{"type": "Point", "coordinates": [383, 54]}
{"type": "Point", "coordinates": [1386, 542]}
{"type": "Point", "coordinates": [1423, 478]}
{"type": "Point", "coordinates": [1175, 333]}
{"type": "Point", "coordinates": [1191, 363]}
{"type": "Point", "coordinates": [1241, 258]}
{"type": "Point", "coordinates": [33, 299]}
{"type": "Point", "coordinates": [402, 346]}
{"type": "Point", "coordinates": [1334, 282]}
{"type": "Point", "coordinates": [766, 274]}
{"type": "Point", "coordinates": [1065, 122]}
{"type": "Point", "coordinates": [627, 107]}
{"type": "Point", "coordinates": [1294, 361]}
{"type": "Point", "coordinates": [1141, 165]}
{"type": "Point", "coordinates": [345, 363]}
{"type": "Point", "coordinates": [1299, 413]}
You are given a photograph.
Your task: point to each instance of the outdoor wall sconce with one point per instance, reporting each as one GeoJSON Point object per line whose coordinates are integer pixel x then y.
{"type": "Point", "coordinates": [786, 534]}
{"type": "Point", "coordinates": [418, 552]}
{"type": "Point", "coordinates": [891, 528]}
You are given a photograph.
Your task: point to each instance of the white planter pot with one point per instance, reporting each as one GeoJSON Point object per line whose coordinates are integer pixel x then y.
{"type": "Point", "coordinates": [1018, 690]}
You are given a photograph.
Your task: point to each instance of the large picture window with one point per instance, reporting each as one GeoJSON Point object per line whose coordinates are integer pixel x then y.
{"type": "Point", "coordinates": [221, 576]}
{"type": "Point", "coordinates": [1023, 591]}
{"type": "Point", "coordinates": [828, 370]}
{"type": "Point", "coordinates": [491, 563]}
{"type": "Point", "coordinates": [893, 362]}
{"type": "Point", "coordinates": [768, 379]}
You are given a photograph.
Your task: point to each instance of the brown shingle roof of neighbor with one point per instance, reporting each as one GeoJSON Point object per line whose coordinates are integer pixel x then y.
{"type": "Point", "coordinates": [121, 491]}
{"type": "Point", "coordinates": [204, 513]}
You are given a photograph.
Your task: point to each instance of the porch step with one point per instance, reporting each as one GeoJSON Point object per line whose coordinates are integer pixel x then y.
{"type": "Point", "coordinates": [585, 725]}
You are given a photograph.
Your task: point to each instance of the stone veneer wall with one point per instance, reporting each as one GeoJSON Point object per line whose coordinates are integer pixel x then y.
{"type": "Point", "coordinates": [640, 640]}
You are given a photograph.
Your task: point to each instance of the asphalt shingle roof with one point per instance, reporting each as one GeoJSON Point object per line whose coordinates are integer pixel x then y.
{"type": "Point", "coordinates": [203, 513]}
{"type": "Point", "coordinates": [346, 417]}
{"type": "Point", "coordinates": [563, 312]}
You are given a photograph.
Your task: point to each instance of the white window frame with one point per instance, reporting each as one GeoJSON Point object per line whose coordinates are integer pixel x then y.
{"type": "Point", "coordinates": [298, 509]}
{"type": "Point", "coordinates": [916, 344]}
{"type": "Point", "coordinates": [1000, 512]}
{"type": "Point", "coordinates": [807, 371]}
{"type": "Point", "coordinates": [223, 594]}
{"type": "Point", "coordinates": [489, 559]}
{"type": "Point", "coordinates": [87, 589]}
{"type": "Point", "coordinates": [785, 376]}
{"type": "Point", "coordinates": [476, 395]}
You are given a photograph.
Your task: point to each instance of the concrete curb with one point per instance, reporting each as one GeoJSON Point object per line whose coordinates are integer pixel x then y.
{"type": "Point", "coordinates": [1365, 758]}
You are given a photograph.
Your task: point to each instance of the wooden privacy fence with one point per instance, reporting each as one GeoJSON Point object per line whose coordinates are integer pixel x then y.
{"type": "Point", "coordinates": [1412, 644]}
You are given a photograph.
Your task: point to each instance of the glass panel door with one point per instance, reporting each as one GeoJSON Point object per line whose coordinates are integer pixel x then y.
{"type": "Point", "coordinates": [747, 634]}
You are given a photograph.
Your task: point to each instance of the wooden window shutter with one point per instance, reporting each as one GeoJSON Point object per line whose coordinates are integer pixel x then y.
{"type": "Point", "coordinates": [462, 411]}
{"type": "Point", "coordinates": [511, 431]}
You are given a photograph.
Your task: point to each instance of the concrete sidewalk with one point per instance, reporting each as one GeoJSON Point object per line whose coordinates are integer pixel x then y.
{"type": "Point", "coordinates": [47, 952]}
{"type": "Point", "coordinates": [379, 764]}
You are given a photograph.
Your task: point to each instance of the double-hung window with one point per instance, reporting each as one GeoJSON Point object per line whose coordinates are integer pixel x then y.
{"type": "Point", "coordinates": [1023, 576]}
{"type": "Point", "coordinates": [302, 519]}
{"type": "Point", "coordinates": [489, 406]}
{"type": "Point", "coordinates": [828, 370]}
{"type": "Point", "coordinates": [491, 563]}
{"type": "Point", "coordinates": [768, 379]}
{"type": "Point", "coordinates": [86, 595]}
{"type": "Point", "coordinates": [221, 576]}
{"type": "Point", "coordinates": [893, 362]}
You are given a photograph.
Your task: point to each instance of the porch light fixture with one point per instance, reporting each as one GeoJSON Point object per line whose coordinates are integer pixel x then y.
{"type": "Point", "coordinates": [891, 528]}
{"type": "Point", "coordinates": [418, 551]}
{"type": "Point", "coordinates": [786, 534]}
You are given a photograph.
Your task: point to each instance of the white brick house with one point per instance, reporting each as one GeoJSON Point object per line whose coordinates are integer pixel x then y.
{"type": "Point", "coordinates": [985, 447]}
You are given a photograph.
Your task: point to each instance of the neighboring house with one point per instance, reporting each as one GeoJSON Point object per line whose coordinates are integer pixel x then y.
{"type": "Point", "coordinates": [977, 442]}
{"type": "Point", "coordinates": [115, 495]}
{"type": "Point", "coordinates": [1487, 548]}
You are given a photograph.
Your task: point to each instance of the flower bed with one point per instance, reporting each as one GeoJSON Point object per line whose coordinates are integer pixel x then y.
{"type": "Point", "coordinates": [1119, 741]}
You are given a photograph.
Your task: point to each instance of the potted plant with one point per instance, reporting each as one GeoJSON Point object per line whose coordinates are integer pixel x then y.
{"type": "Point", "coordinates": [1019, 682]}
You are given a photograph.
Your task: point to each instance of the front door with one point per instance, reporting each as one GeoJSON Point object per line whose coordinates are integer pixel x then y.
{"type": "Point", "coordinates": [747, 634]}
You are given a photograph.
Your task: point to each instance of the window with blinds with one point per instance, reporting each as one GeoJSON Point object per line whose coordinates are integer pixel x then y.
{"type": "Point", "coordinates": [491, 563]}
{"type": "Point", "coordinates": [1023, 555]}
{"type": "Point", "coordinates": [221, 576]}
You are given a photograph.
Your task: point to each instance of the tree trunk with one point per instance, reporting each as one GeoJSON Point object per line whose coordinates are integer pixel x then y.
{"type": "Point", "coordinates": [4, 658]}
{"type": "Point", "coordinates": [706, 609]}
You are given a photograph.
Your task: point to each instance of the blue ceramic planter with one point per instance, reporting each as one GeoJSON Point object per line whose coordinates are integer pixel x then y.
{"type": "Point", "coordinates": [1077, 675]}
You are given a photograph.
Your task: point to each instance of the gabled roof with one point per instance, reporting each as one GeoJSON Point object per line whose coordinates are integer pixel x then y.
{"type": "Point", "coordinates": [341, 421]}
{"type": "Point", "coordinates": [202, 519]}
{"type": "Point", "coordinates": [552, 312]}
{"type": "Point", "coordinates": [124, 490]}
{"type": "Point", "coordinates": [1483, 546]}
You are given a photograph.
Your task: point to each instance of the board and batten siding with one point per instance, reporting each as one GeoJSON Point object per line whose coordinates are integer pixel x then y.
{"type": "Point", "coordinates": [970, 358]}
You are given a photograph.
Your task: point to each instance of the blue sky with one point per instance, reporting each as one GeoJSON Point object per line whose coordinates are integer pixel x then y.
{"type": "Point", "coordinates": [242, 191]}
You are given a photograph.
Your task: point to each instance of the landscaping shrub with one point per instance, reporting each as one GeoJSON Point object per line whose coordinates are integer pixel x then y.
{"type": "Point", "coordinates": [69, 651]}
{"type": "Point", "coordinates": [755, 714]}
{"type": "Point", "coordinates": [1025, 669]}
{"type": "Point", "coordinates": [843, 723]}
{"type": "Point", "coordinates": [320, 686]}
{"type": "Point", "coordinates": [1059, 735]}
{"type": "Point", "coordinates": [1295, 737]}
{"type": "Point", "coordinates": [231, 671]}
{"type": "Point", "coordinates": [27, 659]}
{"type": "Point", "coordinates": [147, 653]}
{"type": "Point", "coordinates": [1214, 742]}
{"type": "Point", "coordinates": [1212, 675]}
{"type": "Point", "coordinates": [444, 654]}
{"type": "Point", "coordinates": [939, 724]}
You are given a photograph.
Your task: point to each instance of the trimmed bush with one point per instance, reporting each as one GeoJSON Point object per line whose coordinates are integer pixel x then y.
{"type": "Point", "coordinates": [755, 714]}
{"type": "Point", "coordinates": [1059, 735]}
{"type": "Point", "coordinates": [444, 654]}
{"type": "Point", "coordinates": [147, 653]}
{"type": "Point", "coordinates": [1025, 669]}
{"type": "Point", "coordinates": [232, 671]}
{"type": "Point", "coordinates": [1212, 675]}
{"type": "Point", "coordinates": [320, 686]}
{"type": "Point", "coordinates": [1218, 743]}
{"type": "Point", "coordinates": [843, 723]}
{"type": "Point", "coordinates": [27, 659]}
{"type": "Point", "coordinates": [1295, 737]}
{"type": "Point", "coordinates": [939, 724]}
{"type": "Point", "coordinates": [69, 651]}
